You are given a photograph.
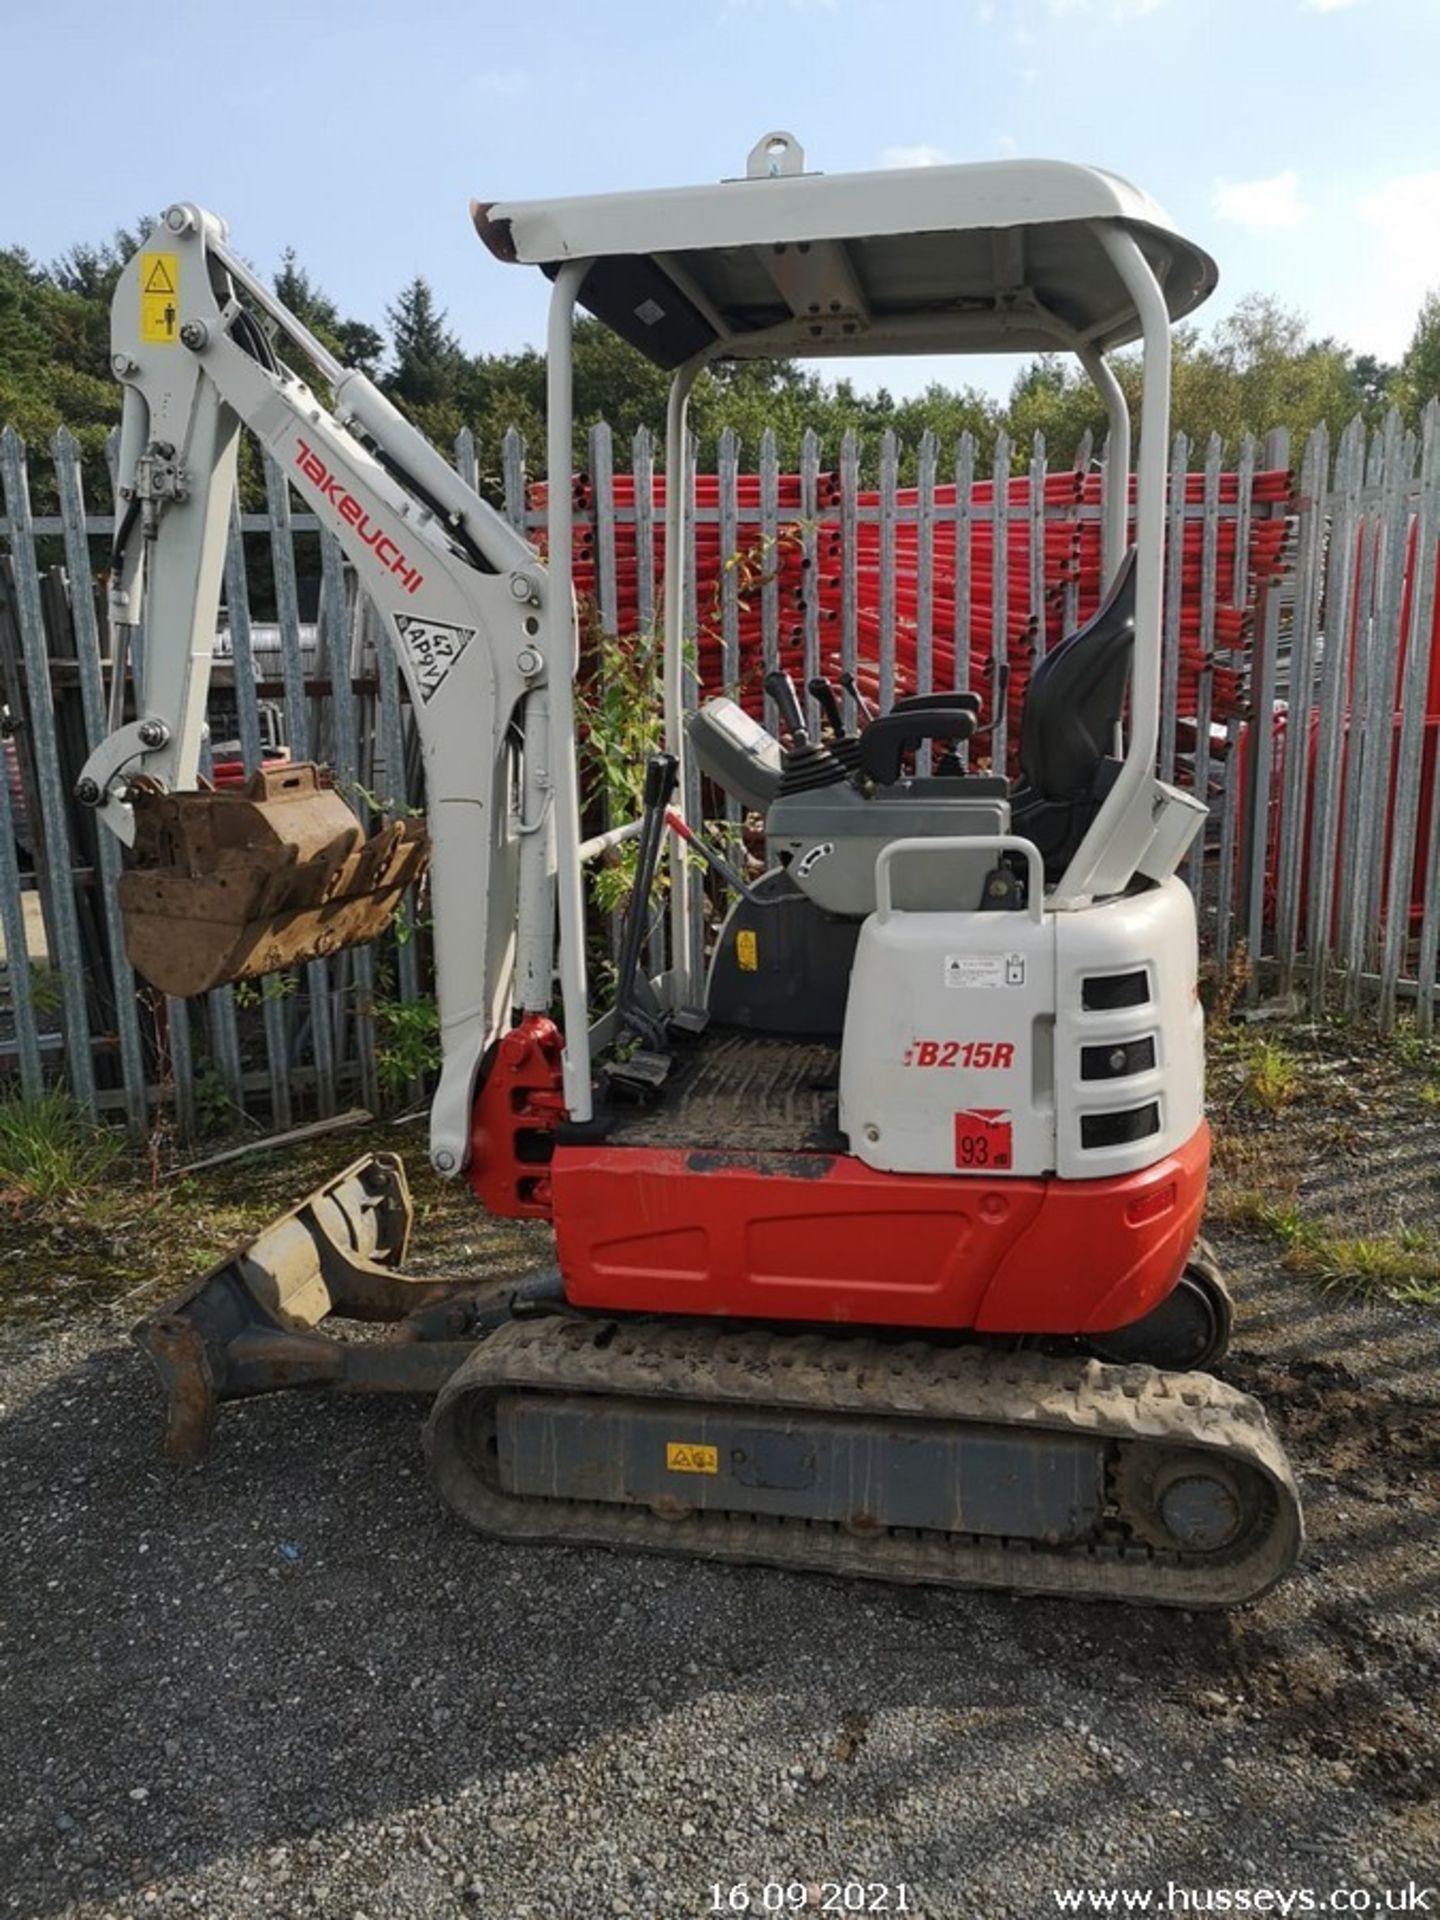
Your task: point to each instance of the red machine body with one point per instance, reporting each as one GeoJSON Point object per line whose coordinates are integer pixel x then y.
{"type": "Point", "coordinates": [821, 1237]}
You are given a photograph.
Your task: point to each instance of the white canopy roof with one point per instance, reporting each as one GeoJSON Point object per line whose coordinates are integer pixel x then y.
{"type": "Point", "coordinates": [999, 256]}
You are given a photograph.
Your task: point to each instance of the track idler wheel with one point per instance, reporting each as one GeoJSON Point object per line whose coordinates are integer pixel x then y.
{"type": "Point", "coordinates": [1188, 1501]}
{"type": "Point", "coordinates": [1189, 1332]}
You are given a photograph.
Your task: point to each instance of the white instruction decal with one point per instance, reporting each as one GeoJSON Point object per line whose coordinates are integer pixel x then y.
{"type": "Point", "coordinates": [984, 969]}
{"type": "Point", "coordinates": [433, 648]}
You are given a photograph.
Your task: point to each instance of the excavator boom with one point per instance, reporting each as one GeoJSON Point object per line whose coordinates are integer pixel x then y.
{"type": "Point", "coordinates": [225, 886]}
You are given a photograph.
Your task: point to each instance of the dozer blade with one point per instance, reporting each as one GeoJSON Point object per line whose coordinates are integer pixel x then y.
{"type": "Point", "coordinates": [249, 1326]}
{"type": "Point", "coordinates": [227, 886]}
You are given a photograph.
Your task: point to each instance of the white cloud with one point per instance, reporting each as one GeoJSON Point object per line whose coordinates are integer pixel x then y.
{"type": "Point", "coordinates": [1007, 145]}
{"type": "Point", "coordinates": [921, 156]}
{"type": "Point", "coordinates": [1405, 212]}
{"type": "Point", "coordinates": [1327, 6]}
{"type": "Point", "coordinates": [1272, 202]}
{"type": "Point", "coordinates": [1390, 249]}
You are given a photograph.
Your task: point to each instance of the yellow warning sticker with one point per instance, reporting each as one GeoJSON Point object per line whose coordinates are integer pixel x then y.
{"type": "Point", "coordinates": [160, 298]}
{"type": "Point", "coordinates": [747, 950]}
{"type": "Point", "coordinates": [684, 1457]}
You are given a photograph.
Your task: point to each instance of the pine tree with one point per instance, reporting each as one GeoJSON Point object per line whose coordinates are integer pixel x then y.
{"type": "Point", "coordinates": [428, 359]}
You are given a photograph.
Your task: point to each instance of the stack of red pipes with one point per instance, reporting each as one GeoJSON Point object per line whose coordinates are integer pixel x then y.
{"type": "Point", "coordinates": [1071, 538]}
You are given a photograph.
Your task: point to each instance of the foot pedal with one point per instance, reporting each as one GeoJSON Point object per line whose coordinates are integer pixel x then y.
{"type": "Point", "coordinates": [639, 1078]}
{"type": "Point", "coordinates": [689, 1024]}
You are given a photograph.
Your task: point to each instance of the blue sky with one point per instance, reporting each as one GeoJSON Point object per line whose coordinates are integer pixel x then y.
{"type": "Point", "coordinates": [1298, 140]}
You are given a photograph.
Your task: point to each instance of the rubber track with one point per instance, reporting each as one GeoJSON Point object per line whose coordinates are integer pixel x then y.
{"type": "Point", "coordinates": [1130, 1405]}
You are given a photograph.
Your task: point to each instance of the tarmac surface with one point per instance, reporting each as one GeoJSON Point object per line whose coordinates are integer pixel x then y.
{"type": "Point", "coordinates": [287, 1682]}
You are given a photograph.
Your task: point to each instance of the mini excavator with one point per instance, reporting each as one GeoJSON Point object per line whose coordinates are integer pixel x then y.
{"type": "Point", "coordinates": [876, 1225]}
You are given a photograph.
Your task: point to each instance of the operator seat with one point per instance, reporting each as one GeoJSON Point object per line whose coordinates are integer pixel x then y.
{"type": "Point", "coordinates": [1067, 730]}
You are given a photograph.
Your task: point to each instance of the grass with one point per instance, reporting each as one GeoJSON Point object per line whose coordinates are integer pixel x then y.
{"type": "Point", "coordinates": [50, 1150]}
{"type": "Point", "coordinates": [100, 1224]}
{"type": "Point", "coordinates": [1401, 1265]}
{"type": "Point", "coordinates": [1313, 1123]}
{"type": "Point", "coordinates": [1271, 1076]}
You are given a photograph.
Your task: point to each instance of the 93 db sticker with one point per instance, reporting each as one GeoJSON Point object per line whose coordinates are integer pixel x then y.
{"type": "Point", "coordinates": [433, 648]}
{"type": "Point", "coordinates": [983, 1140]}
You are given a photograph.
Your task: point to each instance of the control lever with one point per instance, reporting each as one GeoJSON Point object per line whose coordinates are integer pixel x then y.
{"type": "Point", "coordinates": [662, 773]}
{"type": "Point", "coordinates": [781, 689]}
{"type": "Point", "coordinates": [716, 862]}
{"type": "Point", "coordinates": [825, 698]}
{"type": "Point", "coordinates": [808, 765]}
{"type": "Point", "coordinates": [863, 709]}
{"type": "Point", "coordinates": [844, 747]}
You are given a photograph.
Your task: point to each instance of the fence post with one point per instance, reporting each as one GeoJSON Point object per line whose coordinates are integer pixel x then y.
{"type": "Point", "coordinates": [964, 537]}
{"type": "Point", "coordinates": [1422, 533]}
{"type": "Point", "coordinates": [54, 823]}
{"type": "Point", "coordinates": [925, 580]}
{"type": "Point", "coordinates": [512, 469]}
{"type": "Point", "coordinates": [1230, 804]}
{"type": "Point", "coordinates": [92, 697]}
{"type": "Point", "coordinates": [642, 466]}
{"type": "Point", "coordinates": [1000, 603]}
{"type": "Point", "coordinates": [1430, 908]}
{"type": "Point", "coordinates": [1368, 851]}
{"type": "Point", "coordinates": [1205, 686]}
{"type": "Point", "coordinates": [1309, 579]}
{"type": "Point", "coordinates": [1261, 761]}
{"type": "Point", "coordinates": [1174, 581]}
{"type": "Point", "coordinates": [1333, 747]}
{"type": "Point", "coordinates": [770, 555]}
{"type": "Point", "coordinates": [849, 536]}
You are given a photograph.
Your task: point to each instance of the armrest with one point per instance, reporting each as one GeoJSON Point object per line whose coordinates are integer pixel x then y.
{"type": "Point", "coordinates": [938, 703]}
{"type": "Point", "coordinates": [886, 741]}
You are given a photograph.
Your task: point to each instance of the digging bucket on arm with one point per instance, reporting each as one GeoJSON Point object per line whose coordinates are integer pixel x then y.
{"type": "Point", "coordinates": [227, 886]}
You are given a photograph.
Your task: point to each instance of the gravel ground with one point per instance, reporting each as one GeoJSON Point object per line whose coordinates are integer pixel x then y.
{"type": "Point", "coordinates": [287, 1683]}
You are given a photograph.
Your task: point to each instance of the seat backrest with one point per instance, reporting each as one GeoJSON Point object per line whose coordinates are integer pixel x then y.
{"type": "Point", "coordinates": [1076, 697]}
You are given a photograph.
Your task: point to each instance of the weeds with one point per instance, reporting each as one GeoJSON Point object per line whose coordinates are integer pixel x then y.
{"type": "Point", "coordinates": [1401, 1265]}
{"type": "Point", "coordinates": [1272, 1076]}
{"type": "Point", "coordinates": [1220, 990]}
{"type": "Point", "coordinates": [1414, 1049]}
{"type": "Point", "coordinates": [1256, 1190]}
{"type": "Point", "coordinates": [47, 988]}
{"type": "Point", "coordinates": [407, 1042]}
{"type": "Point", "coordinates": [51, 1150]}
{"type": "Point", "coordinates": [271, 986]}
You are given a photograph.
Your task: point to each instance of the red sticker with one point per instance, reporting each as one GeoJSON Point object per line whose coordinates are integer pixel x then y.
{"type": "Point", "coordinates": [983, 1139]}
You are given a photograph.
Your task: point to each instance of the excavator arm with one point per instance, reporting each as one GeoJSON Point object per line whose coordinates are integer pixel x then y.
{"type": "Point", "coordinates": [460, 594]}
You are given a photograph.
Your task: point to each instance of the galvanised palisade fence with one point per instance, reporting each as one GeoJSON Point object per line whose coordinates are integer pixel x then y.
{"type": "Point", "coordinates": [1301, 694]}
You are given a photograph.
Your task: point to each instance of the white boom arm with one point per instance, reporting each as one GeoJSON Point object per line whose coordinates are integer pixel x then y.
{"type": "Point", "coordinates": [460, 592]}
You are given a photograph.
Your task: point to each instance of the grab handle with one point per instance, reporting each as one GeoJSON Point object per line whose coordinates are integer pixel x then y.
{"type": "Point", "coordinates": [963, 843]}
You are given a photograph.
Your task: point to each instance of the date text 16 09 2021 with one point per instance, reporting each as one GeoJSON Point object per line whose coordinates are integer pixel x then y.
{"type": "Point", "coordinates": [812, 1896]}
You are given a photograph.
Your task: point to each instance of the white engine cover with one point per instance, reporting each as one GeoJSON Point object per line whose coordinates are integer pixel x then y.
{"type": "Point", "coordinates": [1002, 1044]}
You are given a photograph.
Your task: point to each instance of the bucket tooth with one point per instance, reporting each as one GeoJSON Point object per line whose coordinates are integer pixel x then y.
{"type": "Point", "coordinates": [228, 886]}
